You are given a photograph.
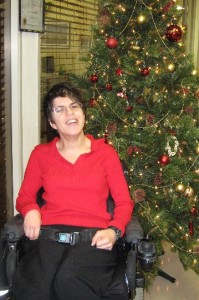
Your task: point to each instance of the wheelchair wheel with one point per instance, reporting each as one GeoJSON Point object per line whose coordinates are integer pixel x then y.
{"type": "Point", "coordinates": [131, 270]}
{"type": "Point", "coordinates": [11, 265]}
{"type": "Point", "coordinates": [139, 293]}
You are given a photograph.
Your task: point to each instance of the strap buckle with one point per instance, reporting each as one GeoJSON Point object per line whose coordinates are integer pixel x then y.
{"type": "Point", "coordinates": [67, 238]}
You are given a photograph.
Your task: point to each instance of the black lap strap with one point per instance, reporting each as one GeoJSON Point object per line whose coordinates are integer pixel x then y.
{"type": "Point", "coordinates": [72, 238]}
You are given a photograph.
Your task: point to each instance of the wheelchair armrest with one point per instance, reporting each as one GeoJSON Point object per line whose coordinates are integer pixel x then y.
{"type": "Point", "coordinates": [10, 237]}
{"type": "Point", "coordinates": [13, 229]}
{"type": "Point", "coordinates": [134, 231]}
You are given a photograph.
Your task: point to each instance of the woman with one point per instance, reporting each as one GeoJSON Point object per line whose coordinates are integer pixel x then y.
{"type": "Point", "coordinates": [70, 252]}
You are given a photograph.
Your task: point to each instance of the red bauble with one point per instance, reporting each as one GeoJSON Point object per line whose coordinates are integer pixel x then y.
{"type": "Point", "coordinates": [185, 91]}
{"type": "Point", "coordinates": [194, 210]}
{"type": "Point", "coordinates": [92, 102]}
{"type": "Point", "coordinates": [173, 132]}
{"type": "Point", "coordinates": [109, 87]}
{"type": "Point", "coordinates": [191, 228]}
{"type": "Point", "coordinates": [150, 119]}
{"type": "Point", "coordinates": [119, 72]}
{"type": "Point", "coordinates": [134, 149]}
{"type": "Point", "coordinates": [145, 72]}
{"type": "Point", "coordinates": [94, 78]}
{"type": "Point", "coordinates": [164, 160]}
{"type": "Point", "coordinates": [129, 108]}
{"type": "Point", "coordinates": [168, 6]}
{"type": "Point", "coordinates": [173, 33]}
{"type": "Point", "coordinates": [111, 42]}
{"type": "Point", "coordinates": [129, 150]}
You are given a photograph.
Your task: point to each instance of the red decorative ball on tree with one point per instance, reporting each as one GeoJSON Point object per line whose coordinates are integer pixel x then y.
{"type": "Point", "coordinates": [194, 210]}
{"type": "Point", "coordinates": [133, 149]}
{"type": "Point", "coordinates": [94, 78]}
{"type": "Point", "coordinates": [119, 72]}
{"type": "Point", "coordinates": [164, 160]}
{"type": "Point", "coordinates": [173, 132]}
{"type": "Point", "coordinates": [191, 228]}
{"type": "Point", "coordinates": [92, 102]}
{"type": "Point", "coordinates": [111, 42]}
{"type": "Point", "coordinates": [109, 87]}
{"type": "Point", "coordinates": [129, 108]}
{"type": "Point", "coordinates": [150, 119]}
{"type": "Point", "coordinates": [173, 33]}
{"type": "Point", "coordinates": [167, 7]}
{"type": "Point", "coordinates": [129, 150]}
{"type": "Point", "coordinates": [145, 72]}
{"type": "Point", "coordinates": [185, 91]}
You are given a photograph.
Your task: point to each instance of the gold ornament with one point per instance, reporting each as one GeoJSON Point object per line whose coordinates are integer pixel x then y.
{"type": "Point", "coordinates": [197, 149]}
{"type": "Point", "coordinates": [138, 62]}
{"type": "Point", "coordinates": [180, 188]}
{"type": "Point", "coordinates": [134, 47]}
{"type": "Point", "coordinates": [194, 72]}
{"type": "Point", "coordinates": [188, 192]}
{"type": "Point", "coordinates": [197, 171]}
{"type": "Point", "coordinates": [184, 28]}
{"type": "Point", "coordinates": [180, 44]}
{"type": "Point", "coordinates": [141, 19]}
{"type": "Point", "coordinates": [157, 70]}
{"type": "Point", "coordinates": [171, 67]}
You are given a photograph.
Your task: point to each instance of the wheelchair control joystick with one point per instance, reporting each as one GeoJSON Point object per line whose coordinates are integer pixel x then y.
{"type": "Point", "coordinates": [147, 253]}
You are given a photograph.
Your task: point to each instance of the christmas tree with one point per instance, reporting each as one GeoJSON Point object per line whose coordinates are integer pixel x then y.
{"type": "Point", "coordinates": [142, 95]}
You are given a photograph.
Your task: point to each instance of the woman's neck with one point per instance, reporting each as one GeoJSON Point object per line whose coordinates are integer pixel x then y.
{"type": "Point", "coordinates": [71, 142]}
{"type": "Point", "coordinates": [71, 148]}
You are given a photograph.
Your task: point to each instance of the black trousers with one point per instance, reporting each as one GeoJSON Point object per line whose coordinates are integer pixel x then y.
{"type": "Point", "coordinates": [52, 271]}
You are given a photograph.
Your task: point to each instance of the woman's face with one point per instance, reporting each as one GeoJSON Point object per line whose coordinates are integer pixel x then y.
{"type": "Point", "coordinates": [67, 117]}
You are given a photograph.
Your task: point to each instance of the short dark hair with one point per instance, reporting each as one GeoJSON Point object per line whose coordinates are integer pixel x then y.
{"type": "Point", "coordinates": [60, 90]}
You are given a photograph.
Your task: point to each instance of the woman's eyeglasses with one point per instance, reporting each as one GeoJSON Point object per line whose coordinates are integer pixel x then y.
{"type": "Point", "coordinates": [74, 106]}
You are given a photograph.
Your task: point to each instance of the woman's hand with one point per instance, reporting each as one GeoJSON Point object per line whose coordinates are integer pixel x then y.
{"type": "Point", "coordinates": [104, 239]}
{"type": "Point", "coordinates": [32, 224]}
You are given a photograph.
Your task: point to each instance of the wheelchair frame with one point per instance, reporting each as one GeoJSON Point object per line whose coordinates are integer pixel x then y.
{"type": "Point", "coordinates": [12, 234]}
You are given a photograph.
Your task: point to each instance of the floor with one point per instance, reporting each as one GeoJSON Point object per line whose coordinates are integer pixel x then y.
{"type": "Point", "coordinates": [186, 286]}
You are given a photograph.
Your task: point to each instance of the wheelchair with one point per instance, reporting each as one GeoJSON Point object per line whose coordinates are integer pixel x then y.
{"type": "Point", "coordinates": [138, 256]}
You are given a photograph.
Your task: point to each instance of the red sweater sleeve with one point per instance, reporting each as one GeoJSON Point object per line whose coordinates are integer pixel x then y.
{"type": "Point", "coordinates": [119, 191]}
{"type": "Point", "coordinates": [27, 197]}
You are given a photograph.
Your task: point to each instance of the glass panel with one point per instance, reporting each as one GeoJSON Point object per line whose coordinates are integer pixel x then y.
{"type": "Point", "coordinates": [66, 40]}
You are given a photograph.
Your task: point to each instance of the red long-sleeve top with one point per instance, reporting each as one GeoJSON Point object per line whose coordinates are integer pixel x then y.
{"type": "Point", "coordinates": [76, 194]}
